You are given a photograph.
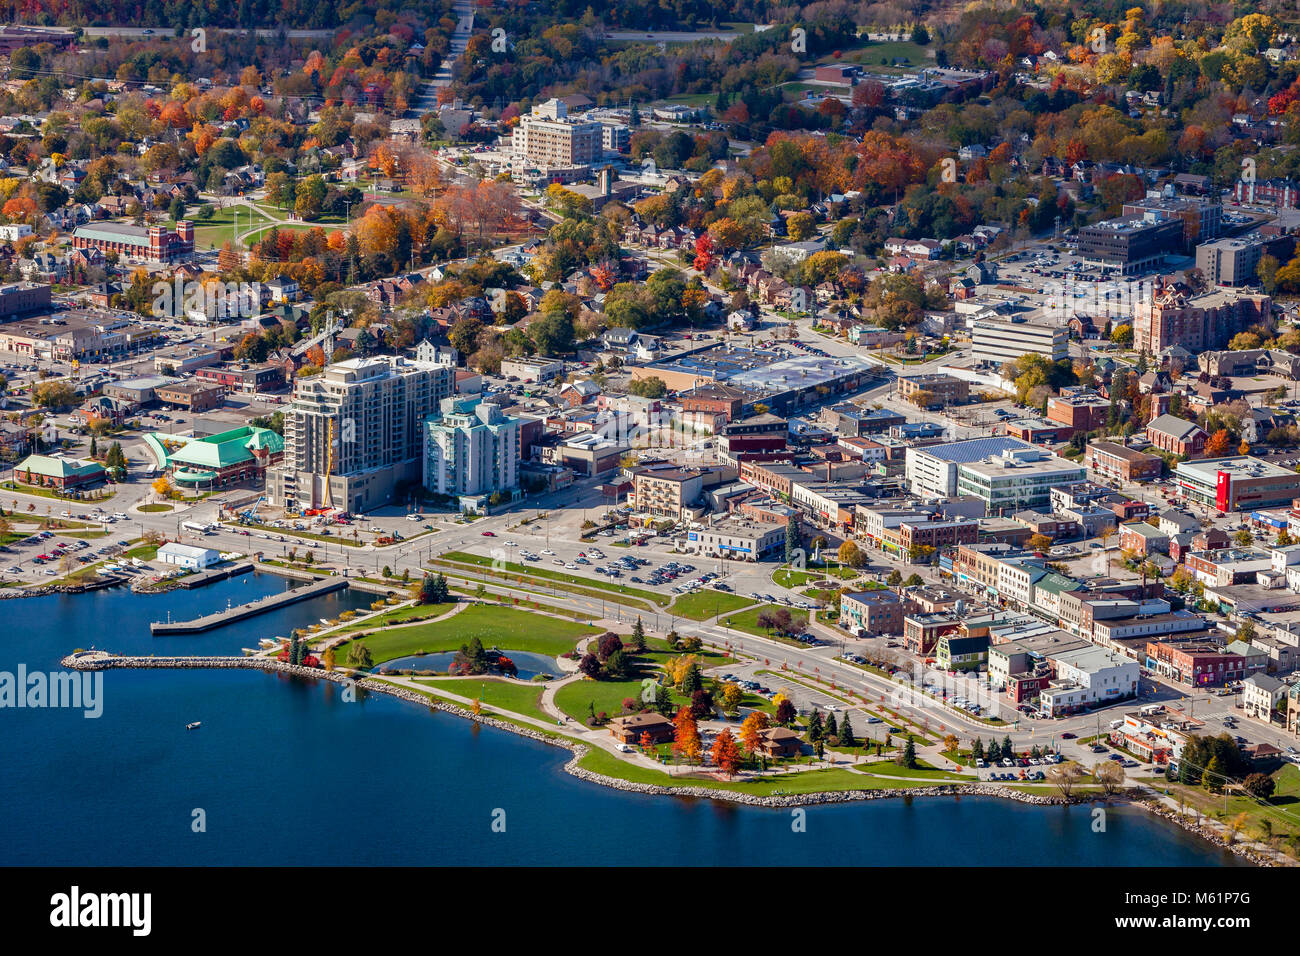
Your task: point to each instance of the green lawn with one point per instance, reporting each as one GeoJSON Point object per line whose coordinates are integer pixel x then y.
{"type": "Point", "coordinates": [506, 695]}
{"type": "Point", "coordinates": [809, 781]}
{"type": "Point", "coordinates": [398, 615]}
{"type": "Point", "coordinates": [788, 578]}
{"type": "Point", "coordinates": [495, 626]}
{"type": "Point", "coordinates": [151, 509]}
{"type": "Point", "coordinates": [578, 698]}
{"type": "Point", "coordinates": [748, 621]}
{"type": "Point", "coordinates": [706, 603]}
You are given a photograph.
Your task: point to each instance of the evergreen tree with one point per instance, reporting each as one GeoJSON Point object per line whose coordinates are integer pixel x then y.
{"type": "Point", "coordinates": [663, 701]}
{"type": "Point", "coordinates": [846, 733]}
{"type": "Point", "coordinates": [995, 752]}
{"type": "Point", "coordinates": [977, 749]}
{"type": "Point", "coordinates": [94, 447]}
{"type": "Point", "coordinates": [815, 728]}
{"type": "Point", "coordinates": [638, 636]}
{"type": "Point", "coordinates": [692, 681]}
{"type": "Point", "coordinates": [791, 538]}
{"type": "Point", "coordinates": [832, 728]}
{"type": "Point", "coordinates": [908, 759]}
{"type": "Point", "coordinates": [1007, 749]}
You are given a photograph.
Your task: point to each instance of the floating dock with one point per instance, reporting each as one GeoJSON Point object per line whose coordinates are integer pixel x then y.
{"type": "Point", "coordinates": [251, 609]}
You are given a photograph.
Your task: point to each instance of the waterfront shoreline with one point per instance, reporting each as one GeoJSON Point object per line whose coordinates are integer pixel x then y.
{"type": "Point", "coordinates": [579, 750]}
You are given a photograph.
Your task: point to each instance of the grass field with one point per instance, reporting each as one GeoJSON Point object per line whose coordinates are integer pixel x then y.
{"type": "Point", "coordinates": [809, 781]}
{"type": "Point", "coordinates": [152, 509]}
{"type": "Point", "coordinates": [519, 698]}
{"type": "Point", "coordinates": [506, 628]}
{"type": "Point", "coordinates": [1282, 811]}
{"type": "Point", "coordinates": [706, 603]}
{"type": "Point", "coordinates": [747, 621]}
{"type": "Point", "coordinates": [400, 614]}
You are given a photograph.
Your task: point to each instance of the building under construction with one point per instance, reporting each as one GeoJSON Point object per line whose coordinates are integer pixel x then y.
{"type": "Point", "coordinates": [353, 433]}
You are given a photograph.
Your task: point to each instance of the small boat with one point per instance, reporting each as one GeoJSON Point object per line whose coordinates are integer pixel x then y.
{"type": "Point", "coordinates": [325, 621]}
{"type": "Point", "coordinates": [194, 726]}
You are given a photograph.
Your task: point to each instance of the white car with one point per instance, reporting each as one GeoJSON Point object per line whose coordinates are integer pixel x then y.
{"type": "Point", "coordinates": [413, 517]}
{"type": "Point", "coordinates": [119, 515]}
{"type": "Point", "coordinates": [547, 551]}
{"type": "Point", "coordinates": [625, 748]}
{"type": "Point", "coordinates": [512, 544]}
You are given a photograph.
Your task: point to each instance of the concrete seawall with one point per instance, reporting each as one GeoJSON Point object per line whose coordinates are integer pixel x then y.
{"type": "Point", "coordinates": [251, 609]}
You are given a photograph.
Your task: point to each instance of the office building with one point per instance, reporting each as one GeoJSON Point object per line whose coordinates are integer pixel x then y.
{"type": "Point", "coordinates": [1235, 261]}
{"type": "Point", "coordinates": [1006, 339]}
{"type": "Point", "coordinates": [932, 470]}
{"type": "Point", "coordinates": [548, 137]}
{"type": "Point", "coordinates": [1131, 244]}
{"type": "Point", "coordinates": [1017, 479]}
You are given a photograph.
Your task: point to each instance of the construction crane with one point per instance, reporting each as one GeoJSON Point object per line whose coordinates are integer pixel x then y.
{"type": "Point", "coordinates": [324, 338]}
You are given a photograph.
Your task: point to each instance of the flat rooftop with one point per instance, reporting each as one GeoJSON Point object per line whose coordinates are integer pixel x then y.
{"type": "Point", "coordinates": [1239, 467]}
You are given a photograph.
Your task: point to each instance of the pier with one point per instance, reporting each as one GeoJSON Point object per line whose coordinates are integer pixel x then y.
{"type": "Point", "coordinates": [212, 575]}
{"type": "Point", "coordinates": [251, 609]}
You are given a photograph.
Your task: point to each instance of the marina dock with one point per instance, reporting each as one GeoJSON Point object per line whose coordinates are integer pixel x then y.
{"type": "Point", "coordinates": [212, 575]}
{"type": "Point", "coordinates": [251, 609]}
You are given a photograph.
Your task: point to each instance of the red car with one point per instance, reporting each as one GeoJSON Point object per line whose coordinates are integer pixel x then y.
{"type": "Point", "coordinates": [489, 534]}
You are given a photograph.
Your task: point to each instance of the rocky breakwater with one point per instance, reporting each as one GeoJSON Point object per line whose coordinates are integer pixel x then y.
{"type": "Point", "coordinates": [1213, 834]}
{"type": "Point", "coordinates": [98, 660]}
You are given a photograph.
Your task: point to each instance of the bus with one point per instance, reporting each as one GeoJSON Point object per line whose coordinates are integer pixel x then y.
{"type": "Point", "coordinates": [196, 527]}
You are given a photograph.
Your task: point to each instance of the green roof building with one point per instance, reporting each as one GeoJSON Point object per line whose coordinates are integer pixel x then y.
{"type": "Point", "coordinates": [55, 471]}
{"type": "Point", "coordinates": [240, 454]}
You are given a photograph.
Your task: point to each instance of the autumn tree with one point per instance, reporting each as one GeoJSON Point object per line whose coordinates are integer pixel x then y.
{"type": "Point", "coordinates": [686, 736]}
{"type": "Point", "coordinates": [1218, 444]}
{"type": "Point", "coordinates": [751, 730]}
{"type": "Point", "coordinates": [726, 753]}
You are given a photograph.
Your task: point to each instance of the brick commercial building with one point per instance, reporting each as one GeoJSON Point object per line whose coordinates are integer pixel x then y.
{"type": "Point", "coordinates": [942, 390]}
{"type": "Point", "coordinates": [1082, 409]}
{"type": "Point", "coordinates": [1239, 483]}
{"type": "Point", "coordinates": [191, 396]}
{"type": "Point", "coordinates": [152, 244]}
{"type": "Point", "coordinates": [55, 471]}
{"type": "Point", "coordinates": [757, 438]}
{"type": "Point", "coordinates": [921, 632]}
{"type": "Point", "coordinates": [19, 298]}
{"type": "Point", "coordinates": [247, 379]}
{"type": "Point", "coordinates": [875, 612]}
{"type": "Point", "coordinates": [1107, 459]}
{"type": "Point", "coordinates": [1202, 219]}
{"type": "Point", "coordinates": [1198, 663]}
{"type": "Point", "coordinates": [714, 399]}
{"type": "Point", "coordinates": [1177, 436]}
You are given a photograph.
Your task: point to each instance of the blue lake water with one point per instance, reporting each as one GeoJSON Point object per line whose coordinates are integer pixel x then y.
{"type": "Point", "coordinates": [286, 771]}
